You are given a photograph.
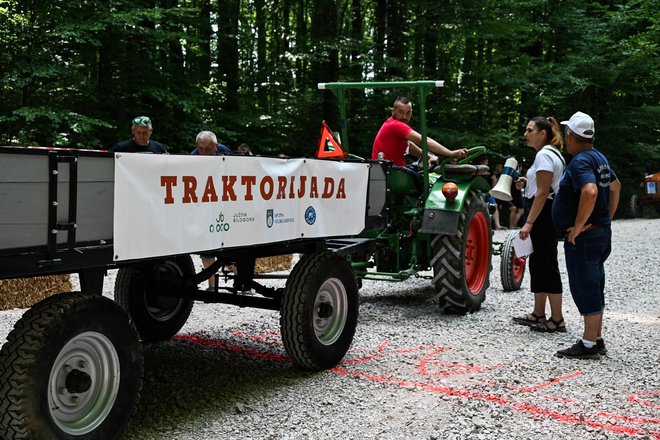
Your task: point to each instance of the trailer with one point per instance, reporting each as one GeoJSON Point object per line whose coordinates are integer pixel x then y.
{"type": "Point", "coordinates": [72, 366]}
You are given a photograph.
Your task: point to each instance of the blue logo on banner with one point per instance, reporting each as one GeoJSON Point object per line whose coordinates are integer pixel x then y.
{"type": "Point", "coordinates": [310, 216]}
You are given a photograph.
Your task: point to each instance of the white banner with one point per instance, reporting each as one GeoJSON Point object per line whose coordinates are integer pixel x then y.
{"type": "Point", "coordinates": [177, 204]}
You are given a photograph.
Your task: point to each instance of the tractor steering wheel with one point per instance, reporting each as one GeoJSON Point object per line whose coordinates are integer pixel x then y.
{"type": "Point", "coordinates": [471, 154]}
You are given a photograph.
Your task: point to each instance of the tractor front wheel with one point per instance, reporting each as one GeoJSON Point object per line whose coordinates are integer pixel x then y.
{"type": "Point", "coordinates": [512, 267]}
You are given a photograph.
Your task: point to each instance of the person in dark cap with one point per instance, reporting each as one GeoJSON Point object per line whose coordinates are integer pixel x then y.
{"type": "Point", "coordinates": [585, 204]}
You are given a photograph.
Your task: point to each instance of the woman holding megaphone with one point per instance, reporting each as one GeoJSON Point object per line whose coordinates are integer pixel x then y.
{"type": "Point", "coordinates": [542, 180]}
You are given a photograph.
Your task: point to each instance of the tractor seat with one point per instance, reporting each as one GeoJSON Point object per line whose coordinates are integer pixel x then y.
{"type": "Point", "coordinates": [465, 169]}
{"type": "Point", "coordinates": [404, 181]}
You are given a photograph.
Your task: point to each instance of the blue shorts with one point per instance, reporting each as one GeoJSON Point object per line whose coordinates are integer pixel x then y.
{"type": "Point", "coordinates": [586, 269]}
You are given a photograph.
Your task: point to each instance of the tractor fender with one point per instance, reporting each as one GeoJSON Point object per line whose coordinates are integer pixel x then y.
{"type": "Point", "coordinates": [441, 216]}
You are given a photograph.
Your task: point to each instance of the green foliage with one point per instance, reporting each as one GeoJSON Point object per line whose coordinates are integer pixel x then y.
{"type": "Point", "coordinates": [74, 73]}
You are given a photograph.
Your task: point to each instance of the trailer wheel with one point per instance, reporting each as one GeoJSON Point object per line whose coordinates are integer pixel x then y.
{"type": "Point", "coordinates": [636, 207]}
{"type": "Point", "coordinates": [157, 317]}
{"type": "Point", "coordinates": [462, 262]}
{"type": "Point", "coordinates": [512, 267]}
{"type": "Point", "coordinates": [71, 369]}
{"type": "Point", "coordinates": [319, 310]}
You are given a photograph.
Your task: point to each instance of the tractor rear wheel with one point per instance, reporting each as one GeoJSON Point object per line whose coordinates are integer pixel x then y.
{"type": "Point", "coordinates": [462, 262]}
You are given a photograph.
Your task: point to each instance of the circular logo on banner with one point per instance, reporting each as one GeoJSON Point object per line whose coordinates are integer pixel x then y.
{"type": "Point", "coordinates": [310, 215]}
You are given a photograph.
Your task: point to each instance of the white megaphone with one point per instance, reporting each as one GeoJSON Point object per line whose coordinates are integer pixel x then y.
{"type": "Point", "coordinates": [502, 190]}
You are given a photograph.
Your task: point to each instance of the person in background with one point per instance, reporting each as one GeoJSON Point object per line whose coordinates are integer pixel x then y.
{"type": "Point", "coordinates": [585, 205]}
{"type": "Point", "coordinates": [395, 137]}
{"type": "Point", "coordinates": [207, 144]}
{"type": "Point", "coordinates": [542, 179]}
{"type": "Point", "coordinates": [492, 180]}
{"type": "Point", "coordinates": [243, 150]}
{"type": "Point", "coordinates": [516, 213]}
{"type": "Point", "coordinates": [483, 160]}
{"type": "Point", "coordinates": [140, 142]}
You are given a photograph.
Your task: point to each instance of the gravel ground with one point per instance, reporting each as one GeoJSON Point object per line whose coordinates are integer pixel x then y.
{"type": "Point", "coordinates": [415, 373]}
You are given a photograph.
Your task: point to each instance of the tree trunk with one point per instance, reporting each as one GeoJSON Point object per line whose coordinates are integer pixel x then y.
{"type": "Point", "coordinates": [380, 28]}
{"type": "Point", "coordinates": [325, 65]}
{"type": "Point", "coordinates": [228, 72]}
{"type": "Point", "coordinates": [301, 45]}
{"type": "Point", "coordinates": [396, 45]}
{"type": "Point", "coordinates": [262, 60]}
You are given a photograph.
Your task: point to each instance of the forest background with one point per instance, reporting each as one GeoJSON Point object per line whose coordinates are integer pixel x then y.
{"type": "Point", "coordinates": [74, 73]}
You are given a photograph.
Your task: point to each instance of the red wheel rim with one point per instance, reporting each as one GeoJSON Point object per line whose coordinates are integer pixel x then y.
{"type": "Point", "coordinates": [518, 267]}
{"type": "Point", "coordinates": [477, 250]}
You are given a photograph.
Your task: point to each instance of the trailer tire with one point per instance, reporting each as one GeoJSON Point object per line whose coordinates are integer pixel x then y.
{"type": "Point", "coordinates": [462, 262]}
{"type": "Point", "coordinates": [319, 310]}
{"type": "Point", "coordinates": [71, 369]}
{"type": "Point", "coordinates": [512, 267]}
{"type": "Point", "coordinates": [157, 317]}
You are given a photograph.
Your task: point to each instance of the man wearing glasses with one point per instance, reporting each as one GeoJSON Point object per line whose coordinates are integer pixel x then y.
{"type": "Point", "coordinates": [141, 142]}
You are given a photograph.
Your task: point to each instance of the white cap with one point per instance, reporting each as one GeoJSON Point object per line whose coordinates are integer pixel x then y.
{"type": "Point", "coordinates": [581, 124]}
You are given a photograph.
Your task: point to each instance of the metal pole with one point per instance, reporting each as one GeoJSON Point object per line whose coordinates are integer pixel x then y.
{"type": "Point", "coordinates": [423, 91]}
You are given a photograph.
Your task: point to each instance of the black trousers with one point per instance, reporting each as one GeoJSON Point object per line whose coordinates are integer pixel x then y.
{"type": "Point", "coordinates": [543, 267]}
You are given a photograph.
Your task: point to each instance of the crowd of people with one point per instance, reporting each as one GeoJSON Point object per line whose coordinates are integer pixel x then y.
{"type": "Point", "coordinates": [552, 201]}
{"type": "Point", "coordinates": [206, 142]}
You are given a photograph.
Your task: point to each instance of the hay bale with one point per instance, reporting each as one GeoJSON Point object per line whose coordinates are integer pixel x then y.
{"type": "Point", "coordinates": [24, 292]}
{"type": "Point", "coordinates": [277, 263]}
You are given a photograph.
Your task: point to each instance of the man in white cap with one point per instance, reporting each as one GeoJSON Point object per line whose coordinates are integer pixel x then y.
{"type": "Point", "coordinates": [582, 211]}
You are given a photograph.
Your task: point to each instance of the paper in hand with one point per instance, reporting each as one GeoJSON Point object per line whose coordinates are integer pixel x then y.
{"type": "Point", "coordinates": [522, 247]}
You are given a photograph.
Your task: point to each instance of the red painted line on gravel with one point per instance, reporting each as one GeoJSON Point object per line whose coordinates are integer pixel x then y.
{"type": "Point", "coordinates": [382, 355]}
{"type": "Point", "coordinates": [235, 349]}
{"type": "Point", "coordinates": [457, 368]}
{"type": "Point", "coordinates": [531, 409]}
{"type": "Point", "coordinates": [630, 419]}
{"type": "Point", "coordinates": [635, 398]}
{"type": "Point", "coordinates": [550, 382]}
{"type": "Point", "coordinates": [571, 419]}
{"type": "Point", "coordinates": [264, 337]}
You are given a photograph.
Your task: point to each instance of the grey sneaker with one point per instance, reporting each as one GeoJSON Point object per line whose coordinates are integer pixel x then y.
{"type": "Point", "coordinates": [579, 351]}
{"type": "Point", "coordinates": [600, 344]}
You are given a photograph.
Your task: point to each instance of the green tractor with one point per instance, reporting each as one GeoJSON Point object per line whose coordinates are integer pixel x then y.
{"type": "Point", "coordinates": [425, 219]}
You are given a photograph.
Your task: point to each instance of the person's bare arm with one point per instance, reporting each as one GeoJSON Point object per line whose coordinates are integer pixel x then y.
{"type": "Point", "coordinates": [433, 146]}
{"type": "Point", "coordinates": [588, 195]}
{"type": "Point", "coordinates": [543, 184]}
{"type": "Point", "coordinates": [615, 193]}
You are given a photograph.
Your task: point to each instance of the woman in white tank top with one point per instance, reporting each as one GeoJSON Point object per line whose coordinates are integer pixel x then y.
{"type": "Point", "coordinates": [542, 179]}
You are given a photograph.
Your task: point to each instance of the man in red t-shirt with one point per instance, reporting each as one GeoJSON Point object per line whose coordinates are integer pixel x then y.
{"type": "Point", "coordinates": [395, 136]}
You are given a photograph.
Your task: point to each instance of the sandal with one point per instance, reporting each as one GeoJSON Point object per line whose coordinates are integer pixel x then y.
{"type": "Point", "coordinates": [524, 320]}
{"type": "Point", "coordinates": [558, 326]}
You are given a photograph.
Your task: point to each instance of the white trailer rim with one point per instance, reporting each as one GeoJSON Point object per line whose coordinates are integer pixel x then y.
{"type": "Point", "coordinates": [91, 358]}
{"type": "Point", "coordinates": [330, 311]}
